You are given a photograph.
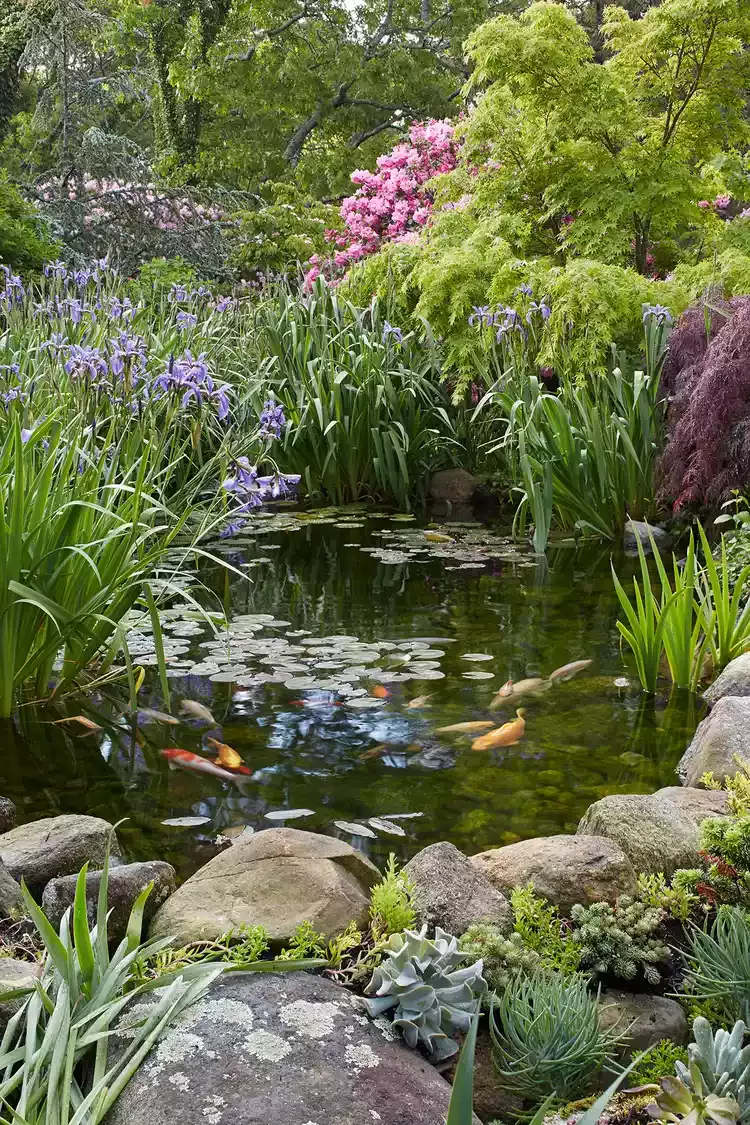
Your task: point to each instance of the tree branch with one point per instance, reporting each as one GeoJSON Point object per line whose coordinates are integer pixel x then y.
{"type": "Point", "coordinates": [268, 33]}
{"type": "Point", "coordinates": [293, 150]}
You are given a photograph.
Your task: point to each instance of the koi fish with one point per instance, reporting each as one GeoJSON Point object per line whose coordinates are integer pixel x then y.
{"type": "Point", "coordinates": [197, 711]}
{"type": "Point", "coordinates": [506, 735]}
{"type": "Point", "coordinates": [568, 671]}
{"type": "Point", "coordinates": [461, 728]}
{"type": "Point", "coordinates": [228, 757]}
{"type": "Point", "coordinates": [184, 759]}
{"type": "Point", "coordinates": [380, 692]}
{"type": "Point", "coordinates": [418, 701]}
{"type": "Point", "coordinates": [438, 537]}
{"type": "Point", "coordinates": [530, 686]}
{"type": "Point", "coordinates": [374, 752]}
{"type": "Point", "coordinates": [89, 724]}
{"type": "Point", "coordinates": [157, 716]}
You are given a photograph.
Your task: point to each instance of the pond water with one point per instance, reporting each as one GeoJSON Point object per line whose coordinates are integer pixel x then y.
{"type": "Point", "coordinates": [341, 610]}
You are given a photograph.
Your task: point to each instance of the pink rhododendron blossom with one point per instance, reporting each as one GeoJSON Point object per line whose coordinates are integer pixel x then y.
{"type": "Point", "coordinates": [704, 204]}
{"type": "Point", "coordinates": [392, 203]}
{"type": "Point", "coordinates": [722, 202]}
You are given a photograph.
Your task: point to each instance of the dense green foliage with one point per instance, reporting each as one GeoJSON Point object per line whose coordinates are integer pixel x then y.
{"type": "Point", "coordinates": [621, 940]}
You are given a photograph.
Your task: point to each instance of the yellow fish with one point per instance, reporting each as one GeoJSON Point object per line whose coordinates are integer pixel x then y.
{"type": "Point", "coordinates": [438, 537]}
{"type": "Point", "coordinates": [460, 728]}
{"type": "Point", "coordinates": [228, 756]}
{"type": "Point", "coordinates": [506, 735]}
{"type": "Point", "coordinates": [374, 752]}
{"type": "Point", "coordinates": [418, 701]}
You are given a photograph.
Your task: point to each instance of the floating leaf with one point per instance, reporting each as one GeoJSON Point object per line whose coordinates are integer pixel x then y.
{"type": "Point", "coordinates": [401, 815]}
{"type": "Point", "coordinates": [289, 814]}
{"type": "Point", "coordinates": [186, 821]}
{"type": "Point", "coordinates": [478, 675]}
{"type": "Point", "coordinates": [355, 829]}
{"type": "Point", "coordinates": [478, 656]}
{"type": "Point", "coordinates": [385, 826]}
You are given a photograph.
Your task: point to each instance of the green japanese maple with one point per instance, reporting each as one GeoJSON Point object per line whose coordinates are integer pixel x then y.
{"type": "Point", "coordinates": [607, 160]}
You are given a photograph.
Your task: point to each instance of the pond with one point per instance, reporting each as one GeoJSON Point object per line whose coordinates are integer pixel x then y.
{"type": "Point", "coordinates": [348, 618]}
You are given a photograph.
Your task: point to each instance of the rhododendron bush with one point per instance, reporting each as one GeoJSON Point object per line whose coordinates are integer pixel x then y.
{"type": "Point", "coordinates": [393, 203]}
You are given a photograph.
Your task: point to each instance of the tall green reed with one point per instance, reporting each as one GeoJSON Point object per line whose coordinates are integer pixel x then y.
{"type": "Point", "coordinates": [366, 416]}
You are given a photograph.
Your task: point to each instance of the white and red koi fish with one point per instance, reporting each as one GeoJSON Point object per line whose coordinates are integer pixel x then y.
{"type": "Point", "coordinates": [186, 760]}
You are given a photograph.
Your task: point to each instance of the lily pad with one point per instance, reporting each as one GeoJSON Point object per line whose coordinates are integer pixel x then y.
{"type": "Point", "coordinates": [476, 656]}
{"type": "Point", "coordinates": [355, 829]}
{"type": "Point", "coordinates": [186, 821]}
{"type": "Point", "coordinates": [478, 675]}
{"type": "Point", "coordinates": [385, 826]}
{"type": "Point", "coordinates": [289, 814]}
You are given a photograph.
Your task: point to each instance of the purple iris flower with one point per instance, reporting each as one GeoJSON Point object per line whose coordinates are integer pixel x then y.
{"type": "Point", "coordinates": [223, 304]}
{"type": "Point", "coordinates": [391, 330]}
{"type": "Point", "coordinates": [87, 362]}
{"type": "Point", "coordinates": [232, 529]}
{"type": "Point", "coordinates": [186, 320]}
{"type": "Point", "coordinates": [481, 315]}
{"type": "Point", "coordinates": [660, 313]}
{"type": "Point", "coordinates": [272, 419]}
{"type": "Point", "coordinates": [56, 269]}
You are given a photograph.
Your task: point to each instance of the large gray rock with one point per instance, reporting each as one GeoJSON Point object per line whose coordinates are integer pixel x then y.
{"type": "Point", "coordinates": [57, 845]}
{"type": "Point", "coordinates": [451, 892]}
{"type": "Point", "coordinates": [279, 878]}
{"type": "Point", "coordinates": [565, 869]}
{"type": "Point", "coordinates": [734, 680]}
{"type": "Point", "coordinates": [644, 1018]}
{"type": "Point", "coordinates": [698, 804]}
{"type": "Point", "coordinates": [15, 974]}
{"type": "Point", "coordinates": [281, 1049]}
{"type": "Point", "coordinates": [719, 740]}
{"type": "Point", "coordinates": [11, 899]}
{"type": "Point", "coordinates": [456, 486]}
{"type": "Point", "coordinates": [654, 834]}
{"type": "Point", "coordinates": [7, 814]}
{"type": "Point", "coordinates": [125, 884]}
{"type": "Point", "coordinates": [639, 530]}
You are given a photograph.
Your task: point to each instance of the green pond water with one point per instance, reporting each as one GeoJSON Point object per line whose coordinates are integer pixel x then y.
{"type": "Point", "coordinates": [356, 601]}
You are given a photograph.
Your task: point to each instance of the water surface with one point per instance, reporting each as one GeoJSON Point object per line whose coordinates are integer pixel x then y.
{"type": "Point", "coordinates": [412, 612]}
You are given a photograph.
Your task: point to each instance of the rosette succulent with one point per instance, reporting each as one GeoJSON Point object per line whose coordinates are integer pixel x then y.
{"type": "Point", "coordinates": [722, 1063]}
{"type": "Point", "coordinates": [432, 997]}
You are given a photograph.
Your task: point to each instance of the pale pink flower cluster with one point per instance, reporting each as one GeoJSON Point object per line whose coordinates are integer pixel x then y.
{"type": "Point", "coordinates": [103, 199]}
{"type": "Point", "coordinates": [719, 204]}
{"type": "Point", "coordinates": [393, 203]}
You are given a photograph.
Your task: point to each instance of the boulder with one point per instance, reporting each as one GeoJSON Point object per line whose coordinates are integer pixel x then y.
{"type": "Point", "coordinates": [565, 869]}
{"type": "Point", "coordinates": [56, 845]}
{"type": "Point", "coordinates": [7, 814]}
{"type": "Point", "coordinates": [11, 899]}
{"type": "Point", "coordinates": [455, 486]}
{"type": "Point", "coordinates": [734, 680]}
{"type": "Point", "coordinates": [652, 831]}
{"type": "Point", "coordinates": [125, 884]}
{"type": "Point", "coordinates": [279, 878]}
{"type": "Point", "coordinates": [644, 1018]}
{"type": "Point", "coordinates": [450, 891]}
{"type": "Point", "coordinates": [639, 530]}
{"type": "Point", "coordinates": [281, 1049]}
{"type": "Point", "coordinates": [696, 803]}
{"type": "Point", "coordinates": [15, 974]}
{"type": "Point", "coordinates": [719, 740]}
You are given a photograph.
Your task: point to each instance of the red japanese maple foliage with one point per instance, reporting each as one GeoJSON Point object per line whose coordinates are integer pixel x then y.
{"type": "Point", "coordinates": [707, 378]}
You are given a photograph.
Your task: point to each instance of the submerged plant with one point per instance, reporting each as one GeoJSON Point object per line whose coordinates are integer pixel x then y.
{"type": "Point", "coordinates": [433, 998]}
{"type": "Point", "coordinates": [622, 939]}
{"type": "Point", "coordinates": [546, 1036]}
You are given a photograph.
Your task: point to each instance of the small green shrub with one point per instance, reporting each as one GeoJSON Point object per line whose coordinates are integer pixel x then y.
{"type": "Point", "coordinates": [621, 939]}
{"type": "Point", "coordinates": [718, 964]}
{"type": "Point", "coordinates": [391, 909]}
{"type": "Point", "coordinates": [677, 900]}
{"type": "Point", "coordinates": [157, 276]}
{"type": "Point", "coordinates": [546, 1036]}
{"type": "Point", "coordinates": [502, 956]}
{"type": "Point", "coordinates": [544, 931]}
{"type": "Point", "coordinates": [728, 838]}
{"type": "Point", "coordinates": [659, 1061]}
{"type": "Point", "coordinates": [304, 942]}
{"type": "Point", "coordinates": [25, 243]}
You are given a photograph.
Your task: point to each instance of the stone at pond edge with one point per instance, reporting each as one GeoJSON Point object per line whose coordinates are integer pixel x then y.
{"type": "Point", "coordinates": [698, 804]}
{"type": "Point", "coordinates": [456, 486]}
{"type": "Point", "coordinates": [15, 974]}
{"type": "Point", "coordinates": [721, 737]}
{"type": "Point", "coordinates": [11, 899]}
{"type": "Point", "coordinates": [640, 530]}
{"type": "Point", "coordinates": [125, 884]}
{"type": "Point", "coordinates": [564, 869]}
{"type": "Point", "coordinates": [281, 1049]}
{"type": "Point", "coordinates": [279, 878]}
{"type": "Point", "coordinates": [450, 891]}
{"type": "Point", "coordinates": [57, 845]}
{"type": "Point", "coordinates": [734, 680]}
{"type": "Point", "coordinates": [654, 833]}
{"type": "Point", "coordinates": [7, 814]}
{"type": "Point", "coordinates": [645, 1018]}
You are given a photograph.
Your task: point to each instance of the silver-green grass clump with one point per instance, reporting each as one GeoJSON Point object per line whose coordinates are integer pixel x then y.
{"type": "Point", "coordinates": [621, 939]}
{"type": "Point", "coordinates": [432, 997]}
{"type": "Point", "coordinates": [722, 1061]}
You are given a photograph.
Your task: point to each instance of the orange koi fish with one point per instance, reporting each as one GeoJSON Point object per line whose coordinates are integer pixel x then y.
{"type": "Point", "coordinates": [506, 735]}
{"type": "Point", "coordinates": [228, 757]}
{"type": "Point", "coordinates": [184, 759]}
